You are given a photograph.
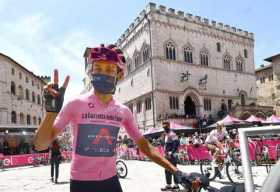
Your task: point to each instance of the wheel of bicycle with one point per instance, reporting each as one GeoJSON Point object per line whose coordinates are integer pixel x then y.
{"type": "Point", "coordinates": [201, 189]}
{"type": "Point", "coordinates": [207, 169]}
{"type": "Point", "coordinates": [121, 169]}
{"type": "Point", "coordinates": [234, 171]}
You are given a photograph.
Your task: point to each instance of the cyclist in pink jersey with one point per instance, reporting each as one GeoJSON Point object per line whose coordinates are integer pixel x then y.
{"type": "Point", "coordinates": [96, 119]}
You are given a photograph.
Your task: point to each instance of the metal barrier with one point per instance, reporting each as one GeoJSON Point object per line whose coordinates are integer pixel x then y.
{"type": "Point", "coordinates": [244, 133]}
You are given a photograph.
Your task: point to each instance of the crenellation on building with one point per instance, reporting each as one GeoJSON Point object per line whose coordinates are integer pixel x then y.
{"type": "Point", "coordinates": [181, 14]}
{"type": "Point", "coordinates": [185, 17]}
{"type": "Point", "coordinates": [162, 9]}
{"type": "Point", "coordinates": [143, 13]}
{"type": "Point", "coordinates": [189, 17]}
{"type": "Point", "coordinates": [233, 29]}
{"type": "Point", "coordinates": [173, 82]}
{"type": "Point", "coordinates": [206, 21]}
{"type": "Point", "coordinates": [197, 19]}
{"type": "Point", "coordinates": [171, 11]}
{"type": "Point", "coordinates": [214, 23]}
{"type": "Point", "coordinates": [220, 25]}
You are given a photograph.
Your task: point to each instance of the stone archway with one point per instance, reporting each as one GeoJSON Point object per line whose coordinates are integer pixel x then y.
{"type": "Point", "coordinates": [192, 103]}
{"type": "Point", "coordinates": [189, 107]}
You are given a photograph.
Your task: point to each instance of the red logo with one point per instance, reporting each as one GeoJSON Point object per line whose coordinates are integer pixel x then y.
{"type": "Point", "coordinates": [103, 134]}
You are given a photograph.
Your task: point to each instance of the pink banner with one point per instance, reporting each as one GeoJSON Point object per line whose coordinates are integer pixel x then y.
{"type": "Point", "coordinates": [28, 159]}
{"type": "Point", "coordinates": [194, 153]}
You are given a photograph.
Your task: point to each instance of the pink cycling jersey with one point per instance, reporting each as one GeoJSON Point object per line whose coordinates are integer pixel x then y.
{"type": "Point", "coordinates": [95, 127]}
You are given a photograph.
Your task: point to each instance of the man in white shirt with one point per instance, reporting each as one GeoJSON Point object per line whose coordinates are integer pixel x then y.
{"type": "Point", "coordinates": [215, 140]}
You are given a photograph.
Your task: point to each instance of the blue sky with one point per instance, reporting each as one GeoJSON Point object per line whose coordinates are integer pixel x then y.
{"type": "Point", "coordinates": [43, 35]}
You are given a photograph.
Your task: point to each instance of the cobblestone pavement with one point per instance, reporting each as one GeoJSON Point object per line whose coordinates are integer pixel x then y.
{"type": "Point", "coordinates": [142, 177]}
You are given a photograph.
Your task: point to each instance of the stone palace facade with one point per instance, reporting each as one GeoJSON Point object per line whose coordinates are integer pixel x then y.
{"type": "Point", "coordinates": [180, 65]}
{"type": "Point", "coordinates": [268, 83]}
{"type": "Point", "coordinates": [20, 94]}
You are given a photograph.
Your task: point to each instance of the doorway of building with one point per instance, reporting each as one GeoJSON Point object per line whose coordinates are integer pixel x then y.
{"type": "Point", "coordinates": [190, 110]}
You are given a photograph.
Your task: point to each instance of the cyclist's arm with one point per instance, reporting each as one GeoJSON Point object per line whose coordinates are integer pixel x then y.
{"type": "Point", "coordinates": [46, 133]}
{"type": "Point", "coordinates": [150, 151]}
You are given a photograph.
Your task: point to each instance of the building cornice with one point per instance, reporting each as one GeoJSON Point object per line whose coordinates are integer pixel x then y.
{"type": "Point", "coordinates": [20, 66]}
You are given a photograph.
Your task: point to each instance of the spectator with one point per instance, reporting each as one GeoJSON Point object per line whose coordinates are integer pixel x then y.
{"type": "Point", "coordinates": [196, 140]}
{"type": "Point", "coordinates": [6, 147]}
{"type": "Point", "coordinates": [1, 147]}
{"type": "Point", "coordinates": [204, 121]}
{"type": "Point", "coordinates": [55, 158]}
{"type": "Point", "coordinates": [125, 140]}
{"type": "Point", "coordinates": [184, 140]}
{"type": "Point", "coordinates": [170, 148]}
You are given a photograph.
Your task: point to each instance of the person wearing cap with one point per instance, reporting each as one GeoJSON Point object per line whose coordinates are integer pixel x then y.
{"type": "Point", "coordinates": [214, 142]}
{"type": "Point", "coordinates": [96, 118]}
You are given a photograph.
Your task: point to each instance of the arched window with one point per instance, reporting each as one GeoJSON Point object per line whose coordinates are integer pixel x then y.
{"type": "Point", "coordinates": [20, 92]}
{"type": "Point", "coordinates": [13, 117]}
{"type": "Point", "coordinates": [38, 99]}
{"type": "Point", "coordinates": [204, 57]}
{"type": "Point", "coordinates": [170, 51]}
{"type": "Point", "coordinates": [227, 62]}
{"type": "Point", "coordinates": [21, 118]}
{"type": "Point", "coordinates": [188, 55]}
{"type": "Point", "coordinates": [34, 120]}
{"type": "Point", "coordinates": [13, 88]}
{"type": "Point", "coordinates": [27, 95]}
{"type": "Point", "coordinates": [239, 64]}
{"type": "Point", "coordinates": [129, 66]}
{"type": "Point", "coordinates": [218, 46]}
{"type": "Point", "coordinates": [137, 60]}
{"type": "Point", "coordinates": [33, 97]}
{"type": "Point", "coordinates": [145, 54]}
{"type": "Point", "coordinates": [28, 119]}
{"type": "Point", "coordinates": [245, 53]}
{"type": "Point", "coordinates": [242, 98]}
{"type": "Point", "coordinates": [39, 120]}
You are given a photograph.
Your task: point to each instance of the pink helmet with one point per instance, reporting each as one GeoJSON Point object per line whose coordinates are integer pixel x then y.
{"type": "Point", "coordinates": [108, 53]}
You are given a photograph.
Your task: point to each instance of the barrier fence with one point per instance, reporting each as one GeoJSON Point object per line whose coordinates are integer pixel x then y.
{"type": "Point", "coordinates": [186, 153]}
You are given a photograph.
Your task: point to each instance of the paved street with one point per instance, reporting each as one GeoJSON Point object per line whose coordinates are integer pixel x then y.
{"type": "Point", "coordinates": [142, 177]}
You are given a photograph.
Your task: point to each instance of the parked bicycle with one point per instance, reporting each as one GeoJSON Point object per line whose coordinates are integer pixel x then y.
{"type": "Point", "coordinates": [230, 163]}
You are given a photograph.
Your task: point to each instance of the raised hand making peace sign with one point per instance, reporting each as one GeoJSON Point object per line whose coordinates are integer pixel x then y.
{"type": "Point", "coordinates": [54, 95]}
